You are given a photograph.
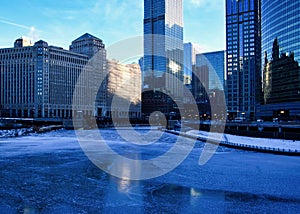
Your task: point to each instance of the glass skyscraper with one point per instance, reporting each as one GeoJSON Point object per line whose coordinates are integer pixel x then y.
{"type": "Point", "coordinates": [216, 64]}
{"type": "Point", "coordinates": [163, 43]}
{"type": "Point", "coordinates": [243, 58]}
{"type": "Point", "coordinates": [281, 20]}
{"type": "Point", "coordinates": [190, 51]}
{"type": "Point", "coordinates": [163, 56]}
{"type": "Point", "coordinates": [280, 59]}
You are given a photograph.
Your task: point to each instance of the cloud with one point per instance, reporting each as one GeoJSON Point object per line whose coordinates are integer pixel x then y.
{"type": "Point", "coordinates": [33, 33]}
{"type": "Point", "coordinates": [14, 24]}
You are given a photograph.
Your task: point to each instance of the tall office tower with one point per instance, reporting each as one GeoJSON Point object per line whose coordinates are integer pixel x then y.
{"type": "Point", "coordinates": [163, 47]}
{"type": "Point", "coordinates": [281, 59]}
{"type": "Point", "coordinates": [281, 20]}
{"type": "Point", "coordinates": [216, 67]}
{"type": "Point", "coordinates": [190, 52]}
{"type": "Point", "coordinates": [243, 58]}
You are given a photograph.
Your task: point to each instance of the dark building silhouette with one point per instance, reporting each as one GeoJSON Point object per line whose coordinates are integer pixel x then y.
{"type": "Point", "coordinates": [280, 19]}
{"type": "Point", "coordinates": [200, 82]}
{"type": "Point", "coordinates": [281, 86]}
{"type": "Point", "coordinates": [281, 78]}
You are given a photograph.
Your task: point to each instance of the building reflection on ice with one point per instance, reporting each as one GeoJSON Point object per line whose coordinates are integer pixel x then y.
{"type": "Point", "coordinates": [123, 192]}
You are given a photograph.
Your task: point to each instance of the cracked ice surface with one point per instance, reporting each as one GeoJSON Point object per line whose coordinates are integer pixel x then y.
{"type": "Point", "coordinates": [49, 173]}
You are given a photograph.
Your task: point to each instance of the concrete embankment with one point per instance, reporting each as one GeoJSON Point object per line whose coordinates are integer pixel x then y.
{"type": "Point", "coordinates": [276, 146]}
{"type": "Point", "coordinates": [48, 128]}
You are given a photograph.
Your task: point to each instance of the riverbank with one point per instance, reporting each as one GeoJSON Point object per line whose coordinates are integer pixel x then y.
{"type": "Point", "coordinates": [268, 145]}
{"type": "Point", "coordinates": [16, 132]}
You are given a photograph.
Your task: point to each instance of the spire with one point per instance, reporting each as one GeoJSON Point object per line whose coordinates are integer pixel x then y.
{"type": "Point", "coordinates": [266, 58]}
{"type": "Point", "coordinates": [275, 50]}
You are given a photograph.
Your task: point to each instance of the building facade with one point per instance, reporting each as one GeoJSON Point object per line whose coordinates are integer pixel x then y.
{"type": "Point", "coordinates": [243, 57]}
{"type": "Point", "coordinates": [94, 49]}
{"type": "Point", "coordinates": [281, 20]}
{"type": "Point", "coordinates": [190, 52]}
{"type": "Point", "coordinates": [124, 88]}
{"type": "Point", "coordinates": [88, 45]}
{"type": "Point", "coordinates": [163, 45]}
{"type": "Point", "coordinates": [281, 60]}
{"type": "Point", "coordinates": [200, 82]}
{"type": "Point", "coordinates": [38, 81]}
{"type": "Point", "coordinates": [281, 77]}
{"type": "Point", "coordinates": [216, 64]}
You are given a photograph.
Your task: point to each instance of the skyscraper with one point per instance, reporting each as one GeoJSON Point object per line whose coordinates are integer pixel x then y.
{"type": "Point", "coordinates": [163, 45]}
{"type": "Point", "coordinates": [163, 55]}
{"type": "Point", "coordinates": [216, 65]}
{"type": "Point", "coordinates": [243, 58]}
{"type": "Point", "coordinates": [190, 51]}
{"type": "Point", "coordinates": [281, 20]}
{"type": "Point", "coordinates": [281, 59]}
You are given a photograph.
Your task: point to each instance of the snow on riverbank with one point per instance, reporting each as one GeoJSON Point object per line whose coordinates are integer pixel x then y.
{"type": "Point", "coordinates": [15, 132]}
{"type": "Point", "coordinates": [252, 143]}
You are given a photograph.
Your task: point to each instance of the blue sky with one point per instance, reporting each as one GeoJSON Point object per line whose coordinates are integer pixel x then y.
{"type": "Point", "coordinates": [59, 22]}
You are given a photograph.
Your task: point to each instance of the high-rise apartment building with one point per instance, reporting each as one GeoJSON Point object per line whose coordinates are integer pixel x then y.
{"type": "Point", "coordinates": [281, 59]}
{"type": "Point", "coordinates": [163, 45]}
{"type": "Point", "coordinates": [243, 58]}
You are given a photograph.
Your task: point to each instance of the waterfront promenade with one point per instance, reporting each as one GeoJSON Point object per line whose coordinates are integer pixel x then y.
{"type": "Point", "coordinates": [279, 146]}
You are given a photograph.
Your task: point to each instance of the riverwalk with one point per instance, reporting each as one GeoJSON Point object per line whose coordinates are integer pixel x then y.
{"type": "Point", "coordinates": [277, 146]}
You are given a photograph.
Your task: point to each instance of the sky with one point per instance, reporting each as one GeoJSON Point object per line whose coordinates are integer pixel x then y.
{"type": "Point", "coordinates": [60, 22]}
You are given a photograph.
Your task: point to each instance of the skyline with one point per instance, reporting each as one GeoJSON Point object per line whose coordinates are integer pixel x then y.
{"type": "Point", "coordinates": [204, 21]}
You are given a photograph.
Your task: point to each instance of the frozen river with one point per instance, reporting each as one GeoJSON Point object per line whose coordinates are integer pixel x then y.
{"type": "Point", "coordinates": [49, 173]}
